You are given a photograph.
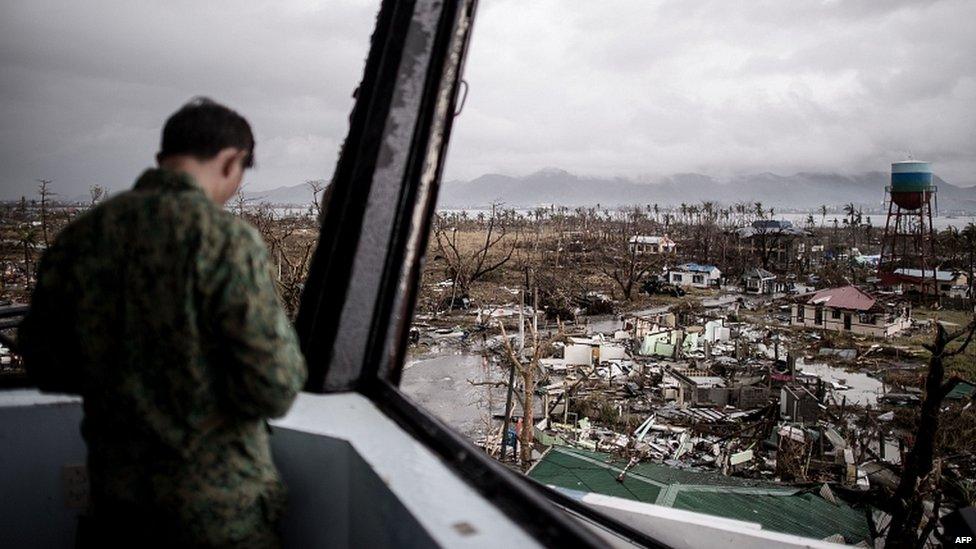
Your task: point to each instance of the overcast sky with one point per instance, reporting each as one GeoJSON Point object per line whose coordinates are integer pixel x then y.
{"type": "Point", "coordinates": [637, 89]}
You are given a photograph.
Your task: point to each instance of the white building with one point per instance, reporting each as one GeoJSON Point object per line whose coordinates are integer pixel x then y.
{"type": "Point", "coordinates": [652, 244]}
{"type": "Point", "coordinates": [849, 309]}
{"type": "Point", "coordinates": [695, 275]}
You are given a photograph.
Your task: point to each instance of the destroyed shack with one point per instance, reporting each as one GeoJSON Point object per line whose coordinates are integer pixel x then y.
{"type": "Point", "coordinates": [799, 404]}
{"type": "Point", "coordinates": [587, 351]}
{"type": "Point", "coordinates": [691, 388]}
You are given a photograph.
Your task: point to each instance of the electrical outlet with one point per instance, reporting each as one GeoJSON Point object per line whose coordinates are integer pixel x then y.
{"type": "Point", "coordinates": [75, 479]}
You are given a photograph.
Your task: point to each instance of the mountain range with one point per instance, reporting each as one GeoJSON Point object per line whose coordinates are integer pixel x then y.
{"type": "Point", "coordinates": [800, 191]}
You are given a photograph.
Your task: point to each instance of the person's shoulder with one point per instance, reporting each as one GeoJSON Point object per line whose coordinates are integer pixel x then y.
{"type": "Point", "coordinates": [238, 239]}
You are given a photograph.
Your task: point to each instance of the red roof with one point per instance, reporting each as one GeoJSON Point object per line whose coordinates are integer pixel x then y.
{"type": "Point", "coordinates": [845, 297]}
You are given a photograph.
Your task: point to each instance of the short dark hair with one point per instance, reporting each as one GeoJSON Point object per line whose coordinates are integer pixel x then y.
{"type": "Point", "coordinates": [202, 128]}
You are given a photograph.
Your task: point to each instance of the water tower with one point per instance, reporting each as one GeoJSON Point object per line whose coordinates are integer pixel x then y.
{"type": "Point", "coordinates": [908, 246]}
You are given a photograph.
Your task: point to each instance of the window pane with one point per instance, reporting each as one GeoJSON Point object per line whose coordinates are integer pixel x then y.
{"type": "Point", "coordinates": [619, 178]}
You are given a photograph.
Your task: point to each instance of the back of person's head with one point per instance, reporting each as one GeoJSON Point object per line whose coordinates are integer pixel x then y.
{"type": "Point", "coordinates": [202, 128]}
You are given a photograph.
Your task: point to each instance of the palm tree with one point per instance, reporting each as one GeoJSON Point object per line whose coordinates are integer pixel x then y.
{"type": "Point", "coordinates": [969, 237]}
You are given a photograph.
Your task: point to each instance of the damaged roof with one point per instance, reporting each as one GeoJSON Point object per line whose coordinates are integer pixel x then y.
{"type": "Point", "coordinates": [758, 273]}
{"type": "Point", "coordinates": [844, 297]}
{"type": "Point", "coordinates": [644, 239]}
{"type": "Point", "coordinates": [784, 509]}
{"type": "Point", "coordinates": [941, 276]}
{"type": "Point", "coordinates": [770, 227]}
{"type": "Point", "coordinates": [696, 268]}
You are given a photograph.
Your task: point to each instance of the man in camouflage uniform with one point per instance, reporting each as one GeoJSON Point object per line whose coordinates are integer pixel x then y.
{"type": "Point", "coordinates": [158, 307]}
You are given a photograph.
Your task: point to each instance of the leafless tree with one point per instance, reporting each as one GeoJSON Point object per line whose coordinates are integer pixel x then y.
{"type": "Point", "coordinates": [27, 236]}
{"type": "Point", "coordinates": [916, 480]}
{"type": "Point", "coordinates": [241, 202]}
{"type": "Point", "coordinates": [466, 267]}
{"type": "Point", "coordinates": [624, 265]}
{"type": "Point", "coordinates": [527, 367]}
{"type": "Point", "coordinates": [290, 254]}
{"type": "Point", "coordinates": [316, 186]}
{"type": "Point", "coordinates": [45, 193]}
{"type": "Point", "coordinates": [97, 192]}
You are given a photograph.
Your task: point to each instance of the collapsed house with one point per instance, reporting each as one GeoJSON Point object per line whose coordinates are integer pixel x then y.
{"type": "Point", "coordinates": [723, 401]}
{"type": "Point", "coordinates": [850, 309]}
{"type": "Point", "coordinates": [587, 351]}
{"type": "Point", "coordinates": [696, 388]}
{"type": "Point", "coordinates": [799, 404]}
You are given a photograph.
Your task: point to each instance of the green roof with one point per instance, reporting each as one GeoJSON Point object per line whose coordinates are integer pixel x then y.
{"type": "Point", "coordinates": [962, 390]}
{"type": "Point", "coordinates": [778, 508]}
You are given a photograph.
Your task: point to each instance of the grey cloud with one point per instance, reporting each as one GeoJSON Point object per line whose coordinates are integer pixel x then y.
{"type": "Point", "coordinates": [630, 88]}
{"type": "Point", "coordinates": [652, 88]}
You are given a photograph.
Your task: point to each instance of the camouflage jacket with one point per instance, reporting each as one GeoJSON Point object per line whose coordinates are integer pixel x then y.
{"type": "Point", "coordinates": [158, 307]}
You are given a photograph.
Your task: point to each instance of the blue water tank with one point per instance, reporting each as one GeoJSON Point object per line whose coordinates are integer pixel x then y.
{"type": "Point", "coordinates": [911, 183]}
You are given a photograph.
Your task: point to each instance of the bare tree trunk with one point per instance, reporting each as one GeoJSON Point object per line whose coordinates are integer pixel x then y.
{"type": "Point", "coordinates": [526, 437]}
{"type": "Point", "coordinates": [909, 495]}
{"type": "Point", "coordinates": [45, 193]}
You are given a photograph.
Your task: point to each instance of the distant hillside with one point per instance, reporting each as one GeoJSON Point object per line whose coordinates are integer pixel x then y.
{"type": "Point", "coordinates": [800, 191]}
{"type": "Point", "coordinates": [552, 186]}
{"type": "Point", "coordinates": [295, 194]}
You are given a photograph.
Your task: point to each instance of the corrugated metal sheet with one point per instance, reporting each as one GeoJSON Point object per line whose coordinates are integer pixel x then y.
{"type": "Point", "coordinates": [804, 514]}
{"type": "Point", "coordinates": [776, 508]}
{"type": "Point", "coordinates": [963, 390]}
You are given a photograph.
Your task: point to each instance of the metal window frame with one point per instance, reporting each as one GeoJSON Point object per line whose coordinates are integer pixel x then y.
{"type": "Point", "coordinates": [356, 309]}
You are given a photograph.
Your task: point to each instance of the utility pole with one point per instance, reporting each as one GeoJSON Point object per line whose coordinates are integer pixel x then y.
{"type": "Point", "coordinates": [521, 322]}
{"type": "Point", "coordinates": [511, 381]}
{"type": "Point", "coordinates": [535, 310]}
{"type": "Point", "coordinates": [508, 411]}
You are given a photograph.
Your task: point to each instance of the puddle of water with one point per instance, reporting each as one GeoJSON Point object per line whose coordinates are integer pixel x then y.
{"type": "Point", "coordinates": [603, 325]}
{"type": "Point", "coordinates": [440, 384]}
{"type": "Point", "coordinates": [864, 389]}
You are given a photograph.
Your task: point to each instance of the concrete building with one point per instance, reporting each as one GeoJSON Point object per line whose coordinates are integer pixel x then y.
{"type": "Point", "coordinates": [849, 309]}
{"type": "Point", "coordinates": [695, 275]}
{"type": "Point", "coordinates": [652, 245]}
